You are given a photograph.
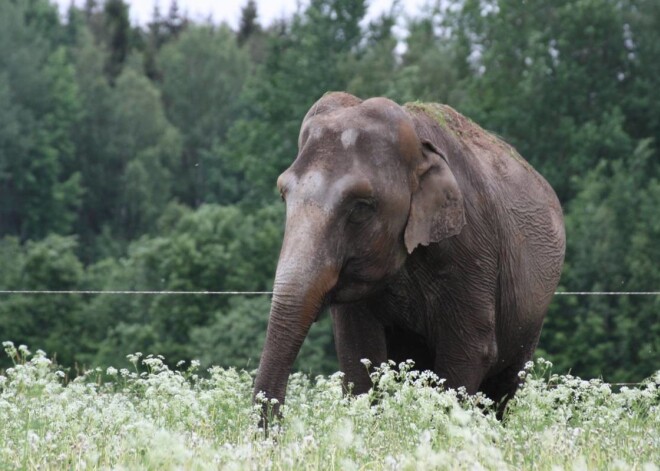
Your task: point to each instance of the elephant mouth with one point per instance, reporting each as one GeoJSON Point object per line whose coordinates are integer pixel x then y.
{"type": "Point", "coordinates": [357, 281]}
{"type": "Point", "coordinates": [352, 290]}
{"type": "Point", "coordinates": [360, 279]}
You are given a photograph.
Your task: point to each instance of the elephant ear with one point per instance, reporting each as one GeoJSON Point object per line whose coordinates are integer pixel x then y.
{"type": "Point", "coordinates": [436, 209]}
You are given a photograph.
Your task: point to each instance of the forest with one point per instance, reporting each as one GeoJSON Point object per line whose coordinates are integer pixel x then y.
{"type": "Point", "coordinates": [144, 157]}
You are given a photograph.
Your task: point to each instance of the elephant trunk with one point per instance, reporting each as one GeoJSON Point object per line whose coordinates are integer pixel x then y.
{"type": "Point", "coordinates": [302, 282]}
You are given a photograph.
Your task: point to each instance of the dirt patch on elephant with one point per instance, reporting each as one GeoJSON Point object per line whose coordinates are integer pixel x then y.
{"type": "Point", "coordinates": [464, 129]}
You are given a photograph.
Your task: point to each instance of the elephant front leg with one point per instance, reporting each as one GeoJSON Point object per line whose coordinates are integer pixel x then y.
{"type": "Point", "coordinates": [358, 335]}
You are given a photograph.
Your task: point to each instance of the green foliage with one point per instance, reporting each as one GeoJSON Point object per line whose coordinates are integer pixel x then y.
{"type": "Point", "coordinates": [148, 147]}
{"type": "Point", "coordinates": [430, 69]}
{"type": "Point", "coordinates": [118, 31]}
{"type": "Point", "coordinates": [39, 188]}
{"type": "Point", "coordinates": [248, 24]}
{"type": "Point", "coordinates": [229, 338]}
{"type": "Point", "coordinates": [375, 65]}
{"type": "Point", "coordinates": [303, 61]}
{"type": "Point", "coordinates": [610, 251]}
{"type": "Point", "coordinates": [214, 248]}
{"type": "Point", "coordinates": [127, 151]}
{"type": "Point", "coordinates": [51, 323]}
{"type": "Point", "coordinates": [203, 74]}
{"type": "Point", "coordinates": [146, 158]}
{"type": "Point", "coordinates": [561, 65]}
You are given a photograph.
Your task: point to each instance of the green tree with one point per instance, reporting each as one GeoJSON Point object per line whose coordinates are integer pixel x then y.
{"type": "Point", "coordinates": [117, 29]}
{"type": "Point", "coordinates": [430, 68]}
{"type": "Point", "coordinates": [374, 67]}
{"type": "Point", "coordinates": [235, 337]}
{"type": "Point", "coordinates": [248, 24]}
{"type": "Point", "coordinates": [305, 59]}
{"type": "Point", "coordinates": [203, 74]}
{"type": "Point", "coordinates": [214, 248]}
{"type": "Point", "coordinates": [39, 187]}
{"type": "Point", "coordinates": [642, 105]}
{"type": "Point", "coordinates": [98, 165]}
{"type": "Point", "coordinates": [127, 152]}
{"type": "Point", "coordinates": [148, 148]}
{"type": "Point", "coordinates": [611, 228]}
{"type": "Point", "coordinates": [160, 31]}
{"type": "Point", "coordinates": [541, 72]}
{"type": "Point", "coordinates": [51, 323]}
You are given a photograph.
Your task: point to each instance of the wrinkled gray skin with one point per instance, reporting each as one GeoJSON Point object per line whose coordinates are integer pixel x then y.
{"type": "Point", "coordinates": [428, 242]}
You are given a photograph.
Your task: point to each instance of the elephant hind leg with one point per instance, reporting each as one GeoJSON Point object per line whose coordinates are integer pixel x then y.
{"type": "Point", "coordinates": [502, 387]}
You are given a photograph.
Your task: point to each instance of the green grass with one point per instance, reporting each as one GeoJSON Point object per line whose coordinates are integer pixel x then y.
{"type": "Point", "coordinates": [156, 418]}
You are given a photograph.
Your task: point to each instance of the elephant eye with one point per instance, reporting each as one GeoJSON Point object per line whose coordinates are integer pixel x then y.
{"type": "Point", "coordinates": [362, 211]}
{"type": "Point", "coordinates": [283, 192]}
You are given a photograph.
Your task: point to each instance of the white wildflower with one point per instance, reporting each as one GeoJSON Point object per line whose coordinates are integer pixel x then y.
{"type": "Point", "coordinates": [391, 462]}
{"type": "Point", "coordinates": [348, 465]}
{"type": "Point", "coordinates": [344, 435]}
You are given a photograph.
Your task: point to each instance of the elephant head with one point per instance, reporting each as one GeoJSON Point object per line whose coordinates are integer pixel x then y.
{"type": "Point", "coordinates": [362, 194]}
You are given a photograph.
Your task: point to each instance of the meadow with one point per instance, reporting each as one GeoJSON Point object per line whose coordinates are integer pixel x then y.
{"type": "Point", "coordinates": [155, 417]}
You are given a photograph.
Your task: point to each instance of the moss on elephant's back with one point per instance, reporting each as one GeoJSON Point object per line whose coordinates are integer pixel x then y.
{"type": "Point", "coordinates": [464, 128]}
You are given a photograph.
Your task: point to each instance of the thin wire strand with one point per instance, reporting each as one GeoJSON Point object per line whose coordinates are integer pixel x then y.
{"type": "Point", "coordinates": [607, 293]}
{"type": "Point", "coordinates": [114, 292]}
{"type": "Point", "coordinates": [216, 293]}
{"type": "Point", "coordinates": [253, 293]}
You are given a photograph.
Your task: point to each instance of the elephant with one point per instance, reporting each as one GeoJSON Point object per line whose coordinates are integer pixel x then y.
{"type": "Point", "coordinates": [427, 238]}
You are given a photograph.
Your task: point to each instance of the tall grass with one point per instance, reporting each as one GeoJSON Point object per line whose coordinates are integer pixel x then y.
{"type": "Point", "coordinates": [152, 417]}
